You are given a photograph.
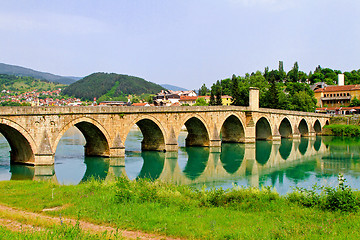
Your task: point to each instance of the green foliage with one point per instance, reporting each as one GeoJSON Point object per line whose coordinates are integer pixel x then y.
{"type": "Point", "coordinates": [201, 102]}
{"type": "Point", "coordinates": [341, 198]}
{"type": "Point", "coordinates": [354, 102]}
{"type": "Point", "coordinates": [203, 91]}
{"type": "Point", "coordinates": [111, 86]}
{"type": "Point", "coordinates": [344, 130]}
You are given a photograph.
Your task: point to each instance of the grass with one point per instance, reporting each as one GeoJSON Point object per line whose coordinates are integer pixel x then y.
{"type": "Point", "coordinates": [55, 233]}
{"type": "Point", "coordinates": [180, 211]}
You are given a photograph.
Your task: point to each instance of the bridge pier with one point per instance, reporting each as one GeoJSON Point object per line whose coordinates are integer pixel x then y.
{"type": "Point", "coordinates": [117, 152]}
{"type": "Point", "coordinates": [43, 159]}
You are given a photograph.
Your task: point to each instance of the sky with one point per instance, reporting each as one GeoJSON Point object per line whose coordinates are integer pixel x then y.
{"type": "Point", "coordinates": [185, 43]}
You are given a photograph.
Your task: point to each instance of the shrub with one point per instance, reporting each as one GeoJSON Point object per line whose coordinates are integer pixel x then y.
{"type": "Point", "coordinates": [340, 198]}
{"type": "Point", "coordinates": [344, 130]}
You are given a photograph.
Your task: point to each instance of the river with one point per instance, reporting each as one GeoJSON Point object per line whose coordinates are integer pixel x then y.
{"type": "Point", "coordinates": [283, 165]}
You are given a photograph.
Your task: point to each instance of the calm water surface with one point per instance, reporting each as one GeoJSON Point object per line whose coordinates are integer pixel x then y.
{"type": "Point", "coordinates": [284, 165]}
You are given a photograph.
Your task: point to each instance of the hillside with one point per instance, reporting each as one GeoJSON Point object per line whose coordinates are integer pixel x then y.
{"type": "Point", "coordinates": [172, 87]}
{"type": "Point", "coordinates": [26, 84]}
{"type": "Point", "coordinates": [110, 84]}
{"type": "Point", "coordinates": [21, 71]}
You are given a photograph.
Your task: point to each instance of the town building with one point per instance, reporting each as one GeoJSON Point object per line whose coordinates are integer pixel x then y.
{"type": "Point", "coordinates": [187, 100]}
{"type": "Point", "coordinates": [336, 96]}
{"type": "Point", "coordinates": [169, 97]}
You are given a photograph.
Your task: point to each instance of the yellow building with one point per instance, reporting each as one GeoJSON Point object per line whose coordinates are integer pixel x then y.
{"type": "Point", "coordinates": [336, 96]}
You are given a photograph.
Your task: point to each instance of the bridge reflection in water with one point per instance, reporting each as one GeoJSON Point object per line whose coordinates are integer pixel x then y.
{"type": "Point", "coordinates": [291, 162]}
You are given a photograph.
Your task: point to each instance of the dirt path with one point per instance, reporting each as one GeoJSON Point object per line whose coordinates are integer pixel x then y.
{"type": "Point", "coordinates": [18, 220]}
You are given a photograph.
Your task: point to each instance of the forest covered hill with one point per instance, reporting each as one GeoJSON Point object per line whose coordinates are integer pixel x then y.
{"type": "Point", "coordinates": [26, 84]}
{"type": "Point", "coordinates": [21, 71]}
{"type": "Point", "coordinates": [112, 85]}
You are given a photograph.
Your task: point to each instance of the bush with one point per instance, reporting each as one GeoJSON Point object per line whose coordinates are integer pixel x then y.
{"type": "Point", "coordinates": [344, 130]}
{"type": "Point", "coordinates": [341, 198]}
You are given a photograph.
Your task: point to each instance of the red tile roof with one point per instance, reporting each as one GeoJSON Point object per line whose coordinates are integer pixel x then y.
{"type": "Point", "coordinates": [338, 88]}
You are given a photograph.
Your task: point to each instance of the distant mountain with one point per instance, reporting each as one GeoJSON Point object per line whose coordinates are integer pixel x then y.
{"type": "Point", "coordinates": [174, 88]}
{"type": "Point", "coordinates": [75, 78]}
{"type": "Point", "coordinates": [21, 71]}
{"type": "Point", "coordinates": [112, 85]}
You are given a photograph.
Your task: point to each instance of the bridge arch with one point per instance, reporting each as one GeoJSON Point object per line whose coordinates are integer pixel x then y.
{"type": "Point", "coordinates": [317, 126]}
{"type": "Point", "coordinates": [198, 132]}
{"type": "Point", "coordinates": [152, 131]}
{"type": "Point", "coordinates": [232, 129]}
{"type": "Point", "coordinates": [21, 143]}
{"type": "Point", "coordinates": [303, 128]}
{"type": "Point", "coordinates": [285, 128]}
{"type": "Point", "coordinates": [263, 129]}
{"type": "Point", "coordinates": [96, 136]}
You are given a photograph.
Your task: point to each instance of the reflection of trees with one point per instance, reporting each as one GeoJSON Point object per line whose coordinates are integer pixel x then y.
{"type": "Point", "coordinates": [96, 167]}
{"type": "Point", "coordinates": [232, 156]}
{"type": "Point", "coordinates": [263, 151]}
{"type": "Point", "coordinates": [285, 147]}
{"type": "Point", "coordinates": [153, 165]}
{"type": "Point", "coordinates": [304, 142]}
{"type": "Point", "coordinates": [273, 177]}
{"type": "Point", "coordinates": [197, 160]}
{"type": "Point", "coordinates": [301, 172]}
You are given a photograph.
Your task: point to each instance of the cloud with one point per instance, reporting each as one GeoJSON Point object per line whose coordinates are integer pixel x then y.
{"type": "Point", "coordinates": [55, 23]}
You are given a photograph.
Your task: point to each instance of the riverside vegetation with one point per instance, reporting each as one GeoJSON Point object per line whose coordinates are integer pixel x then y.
{"type": "Point", "coordinates": [182, 211]}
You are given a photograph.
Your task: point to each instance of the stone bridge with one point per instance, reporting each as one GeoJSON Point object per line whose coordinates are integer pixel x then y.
{"type": "Point", "coordinates": [33, 133]}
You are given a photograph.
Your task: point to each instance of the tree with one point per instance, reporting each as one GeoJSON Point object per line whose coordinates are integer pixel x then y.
{"type": "Point", "coordinates": [201, 102]}
{"type": "Point", "coordinates": [272, 94]}
{"type": "Point", "coordinates": [235, 91]}
{"type": "Point", "coordinates": [354, 102]}
{"type": "Point", "coordinates": [281, 70]}
{"type": "Point", "coordinates": [203, 91]}
{"type": "Point", "coordinates": [293, 74]}
{"type": "Point", "coordinates": [218, 100]}
{"type": "Point", "coordinates": [212, 98]}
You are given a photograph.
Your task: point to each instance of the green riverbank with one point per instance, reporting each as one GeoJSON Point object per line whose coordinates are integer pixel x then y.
{"type": "Point", "coordinates": [342, 130]}
{"type": "Point", "coordinates": [179, 211]}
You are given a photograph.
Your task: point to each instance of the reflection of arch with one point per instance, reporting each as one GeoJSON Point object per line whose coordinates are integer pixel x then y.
{"type": "Point", "coordinates": [303, 128]}
{"type": "Point", "coordinates": [232, 156]}
{"type": "Point", "coordinates": [153, 165]}
{"type": "Point", "coordinates": [263, 129]}
{"type": "Point", "coordinates": [197, 160]}
{"type": "Point", "coordinates": [263, 151]}
{"type": "Point", "coordinates": [96, 167]}
{"type": "Point", "coordinates": [153, 136]}
{"type": "Point", "coordinates": [304, 142]}
{"type": "Point", "coordinates": [317, 127]}
{"type": "Point", "coordinates": [21, 144]}
{"type": "Point", "coordinates": [97, 138]}
{"type": "Point", "coordinates": [285, 148]}
{"type": "Point", "coordinates": [232, 130]}
{"type": "Point", "coordinates": [317, 144]}
{"type": "Point", "coordinates": [285, 128]}
{"type": "Point", "coordinates": [198, 134]}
